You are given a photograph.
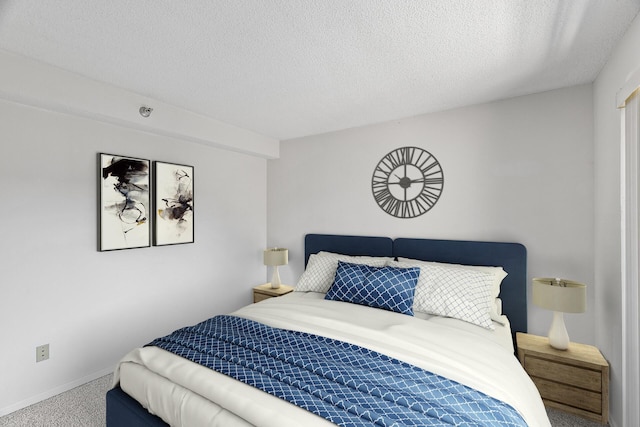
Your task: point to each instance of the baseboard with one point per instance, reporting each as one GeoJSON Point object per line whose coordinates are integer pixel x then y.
{"type": "Point", "coordinates": [55, 391]}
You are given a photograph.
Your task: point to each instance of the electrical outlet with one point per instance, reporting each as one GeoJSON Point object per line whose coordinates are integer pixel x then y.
{"type": "Point", "coordinates": [42, 352]}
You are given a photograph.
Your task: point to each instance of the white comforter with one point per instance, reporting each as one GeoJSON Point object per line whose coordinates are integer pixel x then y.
{"type": "Point", "coordinates": [186, 394]}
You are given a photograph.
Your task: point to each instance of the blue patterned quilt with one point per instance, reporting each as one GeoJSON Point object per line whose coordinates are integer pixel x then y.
{"type": "Point", "coordinates": [343, 383]}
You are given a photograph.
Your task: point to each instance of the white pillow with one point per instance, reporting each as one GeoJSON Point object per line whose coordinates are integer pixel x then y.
{"type": "Point", "coordinates": [453, 292]}
{"type": "Point", "coordinates": [498, 276]}
{"type": "Point", "coordinates": [321, 269]}
{"type": "Point", "coordinates": [498, 307]}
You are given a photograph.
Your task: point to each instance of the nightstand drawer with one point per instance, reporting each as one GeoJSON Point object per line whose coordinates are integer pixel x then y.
{"type": "Point", "coordinates": [568, 395]}
{"type": "Point", "coordinates": [563, 373]}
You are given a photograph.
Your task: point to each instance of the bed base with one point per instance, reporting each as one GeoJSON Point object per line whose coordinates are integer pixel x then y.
{"type": "Point", "coordinates": [124, 411]}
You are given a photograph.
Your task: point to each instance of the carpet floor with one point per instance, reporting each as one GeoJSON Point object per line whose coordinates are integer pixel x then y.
{"type": "Point", "coordinates": [84, 406]}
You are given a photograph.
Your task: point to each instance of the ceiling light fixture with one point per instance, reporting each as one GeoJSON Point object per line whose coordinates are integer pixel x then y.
{"type": "Point", "coordinates": [145, 111]}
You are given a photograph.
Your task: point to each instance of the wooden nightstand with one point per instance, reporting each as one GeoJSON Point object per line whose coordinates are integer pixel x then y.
{"type": "Point", "coordinates": [265, 291]}
{"type": "Point", "coordinates": [574, 380]}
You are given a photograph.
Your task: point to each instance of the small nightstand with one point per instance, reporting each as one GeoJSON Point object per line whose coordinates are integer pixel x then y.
{"type": "Point", "coordinates": [265, 291]}
{"type": "Point", "coordinates": [575, 380]}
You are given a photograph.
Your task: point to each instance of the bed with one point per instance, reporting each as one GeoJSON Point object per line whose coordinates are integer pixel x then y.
{"type": "Point", "coordinates": [152, 384]}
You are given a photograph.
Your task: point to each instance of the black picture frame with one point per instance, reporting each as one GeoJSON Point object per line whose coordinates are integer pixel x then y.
{"type": "Point", "coordinates": [173, 201]}
{"type": "Point", "coordinates": [124, 200]}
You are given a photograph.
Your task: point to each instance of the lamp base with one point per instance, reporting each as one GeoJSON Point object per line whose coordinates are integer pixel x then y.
{"type": "Point", "coordinates": [558, 336]}
{"type": "Point", "coordinates": [275, 279]}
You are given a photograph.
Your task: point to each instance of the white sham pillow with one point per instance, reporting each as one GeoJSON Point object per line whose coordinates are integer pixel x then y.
{"type": "Point", "coordinates": [321, 269]}
{"type": "Point", "coordinates": [498, 308]}
{"type": "Point", "coordinates": [453, 292]}
{"type": "Point", "coordinates": [498, 276]}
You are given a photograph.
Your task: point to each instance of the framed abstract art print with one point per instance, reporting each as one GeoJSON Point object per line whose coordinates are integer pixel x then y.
{"type": "Point", "coordinates": [124, 202]}
{"type": "Point", "coordinates": [173, 204]}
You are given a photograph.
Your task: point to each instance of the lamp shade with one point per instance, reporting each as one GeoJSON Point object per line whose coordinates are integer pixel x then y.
{"type": "Point", "coordinates": [276, 256]}
{"type": "Point", "coordinates": [564, 296]}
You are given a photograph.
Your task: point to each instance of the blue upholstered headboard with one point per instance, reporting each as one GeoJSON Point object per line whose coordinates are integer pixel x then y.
{"type": "Point", "coordinates": [510, 256]}
{"type": "Point", "coordinates": [347, 245]}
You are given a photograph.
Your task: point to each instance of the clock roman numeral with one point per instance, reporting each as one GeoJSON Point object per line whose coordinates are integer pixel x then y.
{"type": "Point", "coordinates": [394, 207]}
{"type": "Point", "coordinates": [390, 162]}
{"type": "Point", "coordinates": [428, 197]}
{"type": "Point", "coordinates": [389, 203]}
{"type": "Point", "coordinates": [407, 154]}
{"type": "Point", "coordinates": [382, 196]}
{"type": "Point", "coordinates": [384, 168]}
{"type": "Point", "coordinates": [433, 181]}
{"type": "Point", "coordinates": [425, 167]}
{"type": "Point", "coordinates": [379, 183]}
{"type": "Point", "coordinates": [415, 207]}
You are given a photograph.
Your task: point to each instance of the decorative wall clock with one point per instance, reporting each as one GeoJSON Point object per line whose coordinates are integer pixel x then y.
{"type": "Point", "coordinates": [407, 182]}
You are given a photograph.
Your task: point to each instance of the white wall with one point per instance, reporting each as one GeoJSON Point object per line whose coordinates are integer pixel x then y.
{"type": "Point", "coordinates": [518, 170]}
{"type": "Point", "coordinates": [92, 307]}
{"type": "Point", "coordinates": [623, 62]}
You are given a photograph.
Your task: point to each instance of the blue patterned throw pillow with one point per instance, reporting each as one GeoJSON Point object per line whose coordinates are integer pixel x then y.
{"type": "Point", "coordinates": [388, 288]}
{"type": "Point", "coordinates": [348, 279]}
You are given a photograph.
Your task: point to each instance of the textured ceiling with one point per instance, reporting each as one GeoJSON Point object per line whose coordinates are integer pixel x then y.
{"type": "Point", "coordinates": [287, 68]}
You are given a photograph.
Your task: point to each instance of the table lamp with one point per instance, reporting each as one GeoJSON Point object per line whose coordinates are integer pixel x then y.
{"type": "Point", "coordinates": [275, 257]}
{"type": "Point", "coordinates": [561, 296]}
